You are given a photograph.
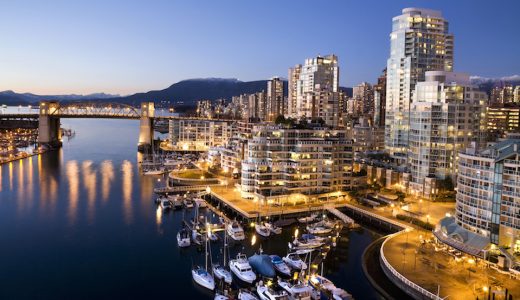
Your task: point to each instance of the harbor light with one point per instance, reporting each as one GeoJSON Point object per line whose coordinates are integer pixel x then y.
{"type": "Point", "coordinates": [485, 288]}
{"type": "Point", "coordinates": [253, 240]}
{"type": "Point", "coordinates": [296, 233]}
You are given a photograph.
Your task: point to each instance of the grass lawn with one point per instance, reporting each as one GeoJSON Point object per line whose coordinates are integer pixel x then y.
{"type": "Point", "coordinates": [194, 174]}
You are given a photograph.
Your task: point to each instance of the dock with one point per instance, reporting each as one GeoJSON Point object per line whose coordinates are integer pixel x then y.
{"type": "Point", "coordinates": [346, 219]}
{"type": "Point", "coordinates": [182, 188]}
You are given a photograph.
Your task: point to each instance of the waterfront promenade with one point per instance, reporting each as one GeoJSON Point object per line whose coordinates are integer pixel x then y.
{"type": "Point", "coordinates": [439, 272]}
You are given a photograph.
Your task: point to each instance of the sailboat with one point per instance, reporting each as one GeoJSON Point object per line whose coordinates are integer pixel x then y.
{"type": "Point", "coordinates": [261, 229]}
{"type": "Point", "coordinates": [220, 271]}
{"type": "Point", "coordinates": [155, 170]}
{"type": "Point", "coordinates": [201, 275]}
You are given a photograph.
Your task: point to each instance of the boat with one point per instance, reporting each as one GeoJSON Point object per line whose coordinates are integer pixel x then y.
{"type": "Point", "coordinates": [159, 199]}
{"type": "Point", "coordinates": [220, 271]}
{"type": "Point", "coordinates": [279, 265]}
{"type": "Point", "coordinates": [235, 231]}
{"type": "Point", "coordinates": [319, 228]}
{"type": "Point", "coordinates": [242, 269]}
{"type": "Point", "coordinates": [294, 261]}
{"type": "Point", "coordinates": [212, 236]}
{"type": "Point", "coordinates": [177, 204]}
{"type": "Point", "coordinates": [201, 275]}
{"type": "Point", "coordinates": [303, 244]}
{"type": "Point", "coordinates": [262, 230]}
{"type": "Point", "coordinates": [267, 293]}
{"type": "Point", "coordinates": [314, 238]}
{"type": "Point", "coordinates": [188, 203]}
{"type": "Point", "coordinates": [321, 283]}
{"type": "Point", "coordinates": [261, 264]}
{"type": "Point", "coordinates": [220, 297]}
{"type": "Point", "coordinates": [196, 237]}
{"type": "Point", "coordinates": [305, 220]}
{"type": "Point", "coordinates": [200, 203]}
{"type": "Point", "coordinates": [298, 290]}
{"type": "Point", "coordinates": [246, 295]}
{"type": "Point", "coordinates": [154, 172]}
{"type": "Point", "coordinates": [165, 204]}
{"type": "Point", "coordinates": [273, 228]}
{"type": "Point", "coordinates": [183, 238]}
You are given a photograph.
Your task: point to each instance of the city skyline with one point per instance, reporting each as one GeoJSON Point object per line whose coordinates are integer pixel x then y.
{"type": "Point", "coordinates": [141, 47]}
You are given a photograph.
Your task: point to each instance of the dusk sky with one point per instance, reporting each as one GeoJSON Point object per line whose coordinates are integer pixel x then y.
{"type": "Point", "coordinates": [58, 47]}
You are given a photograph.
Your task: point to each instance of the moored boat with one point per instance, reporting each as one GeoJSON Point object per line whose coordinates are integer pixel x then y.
{"type": "Point", "coordinates": [242, 269]}
{"type": "Point", "coordinates": [235, 231]}
{"type": "Point", "coordinates": [183, 238]}
{"type": "Point", "coordinates": [294, 261]}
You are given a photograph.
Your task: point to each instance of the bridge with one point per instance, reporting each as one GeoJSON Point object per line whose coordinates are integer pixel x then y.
{"type": "Point", "coordinates": [47, 121]}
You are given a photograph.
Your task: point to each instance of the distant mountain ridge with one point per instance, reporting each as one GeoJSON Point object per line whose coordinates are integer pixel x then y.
{"type": "Point", "coordinates": [185, 93]}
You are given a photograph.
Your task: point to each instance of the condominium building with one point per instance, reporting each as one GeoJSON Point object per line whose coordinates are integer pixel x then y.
{"type": "Point", "coordinates": [445, 117]}
{"type": "Point", "coordinates": [516, 94]}
{"type": "Point", "coordinates": [199, 135]}
{"type": "Point", "coordinates": [502, 119]}
{"type": "Point", "coordinates": [380, 101]}
{"type": "Point", "coordinates": [366, 137]}
{"type": "Point", "coordinates": [314, 89]}
{"type": "Point", "coordinates": [420, 41]}
{"type": "Point", "coordinates": [502, 94]}
{"type": "Point", "coordinates": [276, 101]}
{"type": "Point", "coordinates": [488, 193]}
{"type": "Point", "coordinates": [280, 162]}
{"type": "Point", "coordinates": [364, 93]}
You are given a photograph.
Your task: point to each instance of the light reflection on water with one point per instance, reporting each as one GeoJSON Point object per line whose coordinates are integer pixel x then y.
{"type": "Point", "coordinates": [80, 223]}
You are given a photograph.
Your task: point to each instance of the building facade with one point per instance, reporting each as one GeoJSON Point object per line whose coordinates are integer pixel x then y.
{"type": "Point", "coordinates": [502, 119]}
{"type": "Point", "coordinates": [488, 193]}
{"type": "Point", "coordinates": [281, 162]}
{"type": "Point", "coordinates": [199, 135]}
{"type": "Point", "coordinates": [276, 101]}
{"type": "Point", "coordinates": [380, 100]}
{"type": "Point", "coordinates": [314, 90]}
{"type": "Point", "coordinates": [364, 94]}
{"type": "Point", "coordinates": [445, 117]}
{"type": "Point", "coordinates": [420, 41]}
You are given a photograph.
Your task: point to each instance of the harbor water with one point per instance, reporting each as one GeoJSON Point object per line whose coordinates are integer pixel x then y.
{"type": "Point", "coordinates": [81, 223]}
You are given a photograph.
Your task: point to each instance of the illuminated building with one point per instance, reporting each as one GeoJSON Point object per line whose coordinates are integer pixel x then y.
{"type": "Point", "coordinates": [500, 120]}
{"type": "Point", "coordinates": [276, 102]}
{"type": "Point", "coordinates": [420, 41]}
{"type": "Point", "coordinates": [280, 162]}
{"type": "Point", "coordinates": [445, 117]}
{"type": "Point", "coordinates": [199, 135]}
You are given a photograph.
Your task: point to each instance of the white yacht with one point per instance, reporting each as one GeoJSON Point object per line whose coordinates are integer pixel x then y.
{"type": "Point", "coordinates": [235, 231]}
{"type": "Point", "coordinates": [203, 278]}
{"type": "Point", "coordinates": [294, 261]}
{"type": "Point", "coordinates": [280, 265]}
{"type": "Point", "coordinates": [166, 204]}
{"type": "Point", "coordinates": [319, 228]}
{"type": "Point", "coordinates": [305, 220]}
{"type": "Point", "coordinates": [262, 230]}
{"type": "Point", "coordinates": [183, 238]}
{"type": "Point", "coordinates": [201, 275]}
{"type": "Point", "coordinates": [303, 244]}
{"type": "Point", "coordinates": [266, 293]}
{"type": "Point", "coordinates": [153, 172]}
{"type": "Point", "coordinates": [322, 283]}
{"type": "Point", "coordinates": [220, 271]}
{"type": "Point", "coordinates": [242, 269]}
{"type": "Point", "coordinates": [246, 295]}
{"type": "Point", "coordinates": [298, 291]}
{"type": "Point", "coordinates": [273, 228]}
{"type": "Point", "coordinates": [196, 237]}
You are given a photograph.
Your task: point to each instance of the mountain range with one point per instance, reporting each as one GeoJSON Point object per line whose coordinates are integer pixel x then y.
{"type": "Point", "coordinates": [187, 92]}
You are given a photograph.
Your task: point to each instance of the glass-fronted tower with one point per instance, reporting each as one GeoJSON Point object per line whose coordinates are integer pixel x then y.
{"type": "Point", "coordinates": [419, 42]}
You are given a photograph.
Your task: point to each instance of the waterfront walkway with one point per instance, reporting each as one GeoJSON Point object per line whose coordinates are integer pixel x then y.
{"type": "Point", "coordinates": [439, 271]}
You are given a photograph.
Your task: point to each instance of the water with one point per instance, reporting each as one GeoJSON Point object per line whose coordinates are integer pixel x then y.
{"type": "Point", "coordinates": [80, 223]}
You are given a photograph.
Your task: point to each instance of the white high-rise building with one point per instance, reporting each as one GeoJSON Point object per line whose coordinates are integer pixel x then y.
{"type": "Point", "coordinates": [314, 89]}
{"type": "Point", "coordinates": [276, 102]}
{"type": "Point", "coordinates": [420, 41]}
{"type": "Point", "coordinates": [446, 115]}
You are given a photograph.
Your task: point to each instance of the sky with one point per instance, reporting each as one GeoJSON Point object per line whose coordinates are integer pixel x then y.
{"type": "Point", "coordinates": [124, 47]}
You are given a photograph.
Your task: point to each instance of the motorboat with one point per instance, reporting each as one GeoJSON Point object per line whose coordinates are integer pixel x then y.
{"type": "Point", "coordinates": [273, 228]}
{"type": "Point", "coordinates": [183, 238]}
{"type": "Point", "coordinates": [313, 238]}
{"type": "Point", "coordinates": [188, 203]}
{"type": "Point", "coordinates": [212, 236]}
{"type": "Point", "coordinates": [262, 230]}
{"type": "Point", "coordinates": [166, 204]}
{"type": "Point", "coordinates": [154, 172]}
{"type": "Point", "coordinates": [294, 261]}
{"type": "Point", "coordinates": [246, 295]}
{"type": "Point", "coordinates": [200, 203]}
{"type": "Point", "coordinates": [242, 269]}
{"type": "Point", "coordinates": [267, 293]}
{"type": "Point", "coordinates": [301, 244]}
{"type": "Point", "coordinates": [322, 283]}
{"type": "Point", "coordinates": [319, 228]}
{"type": "Point", "coordinates": [235, 231]}
{"type": "Point", "coordinates": [298, 291]}
{"type": "Point", "coordinates": [308, 219]}
{"type": "Point", "coordinates": [196, 237]}
{"type": "Point", "coordinates": [279, 265]}
{"type": "Point", "coordinates": [176, 201]}
{"type": "Point", "coordinates": [261, 264]}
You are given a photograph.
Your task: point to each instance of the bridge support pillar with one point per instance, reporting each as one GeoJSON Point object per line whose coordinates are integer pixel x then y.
{"type": "Point", "coordinates": [146, 127]}
{"type": "Point", "coordinates": [49, 125]}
